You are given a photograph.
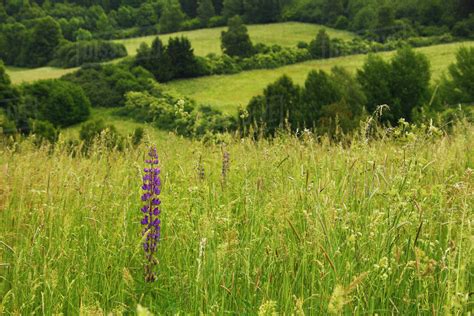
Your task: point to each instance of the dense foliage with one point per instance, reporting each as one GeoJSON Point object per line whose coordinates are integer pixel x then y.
{"type": "Point", "coordinates": [336, 102]}
{"type": "Point", "coordinates": [59, 102]}
{"type": "Point", "coordinates": [183, 117]}
{"type": "Point", "coordinates": [236, 40]}
{"type": "Point", "coordinates": [32, 31]}
{"type": "Point", "coordinates": [73, 54]}
{"type": "Point", "coordinates": [172, 61]}
{"type": "Point", "coordinates": [106, 85]}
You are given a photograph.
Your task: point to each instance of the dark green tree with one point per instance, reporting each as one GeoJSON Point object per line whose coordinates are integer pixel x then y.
{"type": "Point", "coordinates": [171, 18]}
{"type": "Point", "coordinates": [282, 104]}
{"type": "Point", "coordinates": [458, 86]}
{"type": "Point", "coordinates": [321, 46]}
{"type": "Point", "coordinates": [374, 77]}
{"type": "Point", "coordinates": [43, 41]}
{"type": "Point", "coordinates": [182, 58]}
{"type": "Point", "coordinates": [232, 8]}
{"type": "Point", "coordinates": [409, 81]}
{"type": "Point", "coordinates": [236, 40]}
{"type": "Point", "coordinates": [60, 102]}
{"type": "Point", "coordinates": [205, 11]}
{"type": "Point", "coordinates": [319, 90]}
{"type": "Point", "coordinates": [189, 7]}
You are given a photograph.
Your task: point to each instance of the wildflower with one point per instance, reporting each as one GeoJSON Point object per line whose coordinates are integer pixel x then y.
{"type": "Point", "coordinates": [200, 169]}
{"type": "Point", "coordinates": [150, 221]}
{"type": "Point", "coordinates": [225, 165]}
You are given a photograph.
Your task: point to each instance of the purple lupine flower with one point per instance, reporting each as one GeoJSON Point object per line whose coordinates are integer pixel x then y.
{"type": "Point", "coordinates": [225, 165]}
{"type": "Point", "coordinates": [151, 223]}
{"type": "Point", "coordinates": [200, 169]}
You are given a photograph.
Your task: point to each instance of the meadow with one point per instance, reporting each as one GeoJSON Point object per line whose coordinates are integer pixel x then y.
{"type": "Point", "coordinates": [296, 226]}
{"type": "Point", "coordinates": [220, 91]}
{"type": "Point", "coordinates": [206, 41]}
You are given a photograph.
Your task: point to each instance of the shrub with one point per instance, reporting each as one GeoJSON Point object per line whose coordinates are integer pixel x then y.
{"type": "Point", "coordinates": [236, 41]}
{"type": "Point", "coordinates": [60, 102]}
{"type": "Point", "coordinates": [321, 46]}
{"type": "Point", "coordinates": [43, 131]}
{"type": "Point", "coordinates": [106, 85]}
{"type": "Point", "coordinates": [97, 130]}
{"type": "Point", "coordinates": [78, 53]}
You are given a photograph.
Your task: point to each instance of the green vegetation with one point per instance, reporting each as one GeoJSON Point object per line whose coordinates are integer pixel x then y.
{"type": "Point", "coordinates": [82, 52]}
{"type": "Point", "coordinates": [207, 41]}
{"type": "Point", "coordinates": [220, 91]}
{"type": "Point", "coordinates": [298, 226]}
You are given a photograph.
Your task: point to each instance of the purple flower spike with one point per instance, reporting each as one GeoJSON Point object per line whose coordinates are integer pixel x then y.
{"type": "Point", "coordinates": [152, 224]}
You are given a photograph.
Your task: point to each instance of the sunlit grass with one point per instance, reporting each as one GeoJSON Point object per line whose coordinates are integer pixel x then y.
{"type": "Point", "coordinates": [227, 92]}
{"type": "Point", "coordinates": [205, 41]}
{"type": "Point", "coordinates": [381, 227]}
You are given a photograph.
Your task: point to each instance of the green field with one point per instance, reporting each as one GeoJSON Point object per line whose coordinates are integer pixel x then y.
{"type": "Point", "coordinates": [297, 227]}
{"type": "Point", "coordinates": [228, 91]}
{"type": "Point", "coordinates": [204, 41]}
{"type": "Point", "coordinates": [207, 41]}
{"type": "Point", "coordinates": [20, 75]}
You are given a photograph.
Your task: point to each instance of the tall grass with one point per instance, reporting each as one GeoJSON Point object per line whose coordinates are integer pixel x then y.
{"type": "Point", "coordinates": [300, 226]}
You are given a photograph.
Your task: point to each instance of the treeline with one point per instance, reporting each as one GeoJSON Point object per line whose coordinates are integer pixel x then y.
{"type": "Point", "coordinates": [329, 103]}
{"type": "Point", "coordinates": [40, 41]}
{"type": "Point", "coordinates": [336, 102]}
{"type": "Point", "coordinates": [177, 60]}
{"type": "Point", "coordinates": [377, 18]}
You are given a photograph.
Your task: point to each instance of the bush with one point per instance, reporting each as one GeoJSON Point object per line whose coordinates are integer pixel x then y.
{"type": "Point", "coordinates": [59, 102]}
{"type": "Point", "coordinates": [236, 41]}
{"type": "Point", "coordinates": [97, 130]}
{"type": "Point", "coordinates": [44, 131]}
{"type": "Point", "coordinates": [106, 85]}
{"type": "Point", "coordinates": [78, 53]}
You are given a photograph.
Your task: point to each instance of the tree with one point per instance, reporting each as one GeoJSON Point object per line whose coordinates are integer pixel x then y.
{"type": "Point", "coordinates": [236, 41]}
{"type": "Point", "coordinates": [205, 11]}
{"type": "Point", "coordinates": [60, 102]}
{"type": "Point", "coordinates": [282, 101]}
{"type": "Point", "coordinates": [182, 58]}
{"type": "Point", "coordinates": [189, 7]}
{"type": "Point", "coordinates": [232, 8]}
{"type": "Point", "coordinates": [171, 18]}
{"type": "Point", "coordinates": [385, 22]}
{"type": "Point", "coordinates": [409, 80]}
{"type": "Point", "coordinates": [146, 16]}
{"type": "Point", "coordinates": [374, 78]}
{"type": "Point", "coordinates": [9, 99]}
{"type": "Point", "coordinates": [125, 16]}
{"type": "Point", "coordinates": [332, 9]}
{"type": "Point", "coordinates": [321, 46]}
{"type": "Point", "coordinates": [43, 41]}
{"type": "Point", "coordinates": [319, 90]}
{"type": "Point", "coordinates": [458, 87]}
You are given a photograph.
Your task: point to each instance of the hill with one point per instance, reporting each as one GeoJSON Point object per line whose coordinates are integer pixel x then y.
{"type": "Point", "coordinates": [207, 41]}
{"type": "Point", "coordinates": [204, 41]}
{"type": "Point", "coordinates": [220, 91]}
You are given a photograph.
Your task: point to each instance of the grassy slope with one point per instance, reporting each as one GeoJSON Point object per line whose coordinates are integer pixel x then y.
{"type": "Point", "coordinates": [20, 75]}
{"type": "Point", "coordinates": [228, 91]}
{"type": "Point", "coordinates": [296, 223]}
{"type": "Point", "coordinates": [204, 41]}
{"type": "Point", "coordinates": [207, 41]}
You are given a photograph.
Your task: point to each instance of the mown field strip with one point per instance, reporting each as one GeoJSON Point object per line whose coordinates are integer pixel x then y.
{"type": "Point", "coordinates": [207, 41]}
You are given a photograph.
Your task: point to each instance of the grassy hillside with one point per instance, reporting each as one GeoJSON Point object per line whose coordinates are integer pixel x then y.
{"type": "Point", "coordinates": [19, 75]}
{"type": "Point", "coordinates": [296, 226]}
{"type": "Point", "coordinates": [204, 41]}
{"type": "Point", "coordinates": [228, 91]}
{"type": "Point", "coordinates": [207, 41]}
